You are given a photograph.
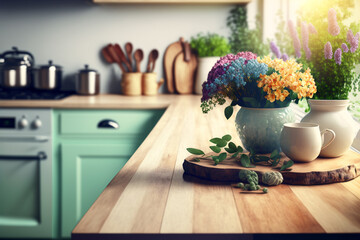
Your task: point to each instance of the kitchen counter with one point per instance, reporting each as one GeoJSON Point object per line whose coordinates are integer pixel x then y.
{"type": "Point", "coordinates": [152, 196]}
{"type": "Point", "coordinates": [103, 101]}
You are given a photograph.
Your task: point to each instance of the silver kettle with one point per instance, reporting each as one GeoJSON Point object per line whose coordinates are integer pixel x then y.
{"type": "Point", "coordinates": [16, 68]}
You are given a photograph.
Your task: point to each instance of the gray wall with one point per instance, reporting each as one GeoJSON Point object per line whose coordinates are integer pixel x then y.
{"type": "Point", "coordinates": [72, 32]}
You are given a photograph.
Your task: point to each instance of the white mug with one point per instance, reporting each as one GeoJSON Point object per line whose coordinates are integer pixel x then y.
{"type": "Point", "coordinates": [302, 142]}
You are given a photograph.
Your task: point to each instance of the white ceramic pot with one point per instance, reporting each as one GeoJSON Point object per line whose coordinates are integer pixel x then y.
{"type": "Point", "coordinates": [204, 66]}
{"type": "Point", "coordinates": [333, 114]}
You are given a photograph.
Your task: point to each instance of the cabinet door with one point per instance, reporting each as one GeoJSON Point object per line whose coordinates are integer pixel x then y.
{"type": "Point", "coordinates": [86, 169]}
{"type": "Point", "coordinates": [25, 189]}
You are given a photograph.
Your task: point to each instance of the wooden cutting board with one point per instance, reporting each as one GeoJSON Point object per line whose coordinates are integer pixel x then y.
{"type": "Point", "coordinates": [169, 57]}
{"type": "Point", "coordinates": [320, 171]}
{"type": "Point", "coordinates": [184, 73]}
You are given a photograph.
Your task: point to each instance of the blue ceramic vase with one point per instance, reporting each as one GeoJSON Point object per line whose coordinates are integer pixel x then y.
{"type": "Point", "coordinates": [259, 129]}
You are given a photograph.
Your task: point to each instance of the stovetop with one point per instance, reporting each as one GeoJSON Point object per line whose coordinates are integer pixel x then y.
{"type": "Point", "coordinates": [29, 94]}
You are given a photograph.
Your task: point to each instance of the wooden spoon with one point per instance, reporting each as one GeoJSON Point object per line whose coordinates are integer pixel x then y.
{"type": "Point", "coordinates": [121, 55]}
{"type": "Point", "coordinates": [129, 49]}
{"type": "Point", "coordinates": [110, 56]}
{"type": "Point", "coordinates": [154, 54]}
{"type": "Point", "coordinates": [138, 56]}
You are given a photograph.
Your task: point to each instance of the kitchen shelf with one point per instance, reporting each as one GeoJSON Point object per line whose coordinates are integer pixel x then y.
{"type": "Point", "coordinates": [175, 1]}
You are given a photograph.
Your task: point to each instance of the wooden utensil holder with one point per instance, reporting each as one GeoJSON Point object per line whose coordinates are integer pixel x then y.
{"type": "Point", "coordinates": [131, 83]}
{"type": "Point", "coordinates": [150, 84]}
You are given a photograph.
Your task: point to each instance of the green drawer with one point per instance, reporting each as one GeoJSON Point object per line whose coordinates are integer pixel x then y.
{"type": "Point", "coordinates": [89, 121]}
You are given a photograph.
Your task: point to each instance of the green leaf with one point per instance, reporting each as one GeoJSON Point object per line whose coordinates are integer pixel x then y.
{"type": "Point", "coordinates": [221, 143]}
{"type": "Point", "coordinates": [228, 111]}
{"type": "Point", "coordinates": [215, 159]}
{"type": "Point", "coordinates": [230, 150]}
{"type": "Point", "coordinates": [196, 159]}
{"type": "Point", "coordinates": [235, 155]}
{"type": "Point", "coordinates": [245, 160]}
{"type": "Point", "coordinates": [286, 165]}
{"type": "Point", "coordinates": [222, 157]}
{"type": "Point", "coordinates": [215, 149]}
{"type": "Point", "coordinates": [258, 158]}
{"type": "Point", "coordinates": [232, 146]}
{"type": "Point", "coordinates": [226, 137]}
{"type": "Point", "coordinates": [274, 154]}
{"type": "Point", "coordinates": [195, 151]}
{"type": "Point", "coordinates": [215, 140]}
{"type": "Point", "coordinates": [275, 162]}
{"type": "Point", "coordinates": [240, 149]}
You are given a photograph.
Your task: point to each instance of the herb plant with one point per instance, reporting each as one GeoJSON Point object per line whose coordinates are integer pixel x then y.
{"type": "Point", "coordinates": [241, 37]}
{"type": "Point", "coordinates": [210, 45]}
{"type": "Point", "coordinates": [328, 46]}
{"type": "Point", "coordinates": [246, 160]}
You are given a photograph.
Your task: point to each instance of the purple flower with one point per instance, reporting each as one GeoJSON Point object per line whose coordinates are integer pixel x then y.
{"type": "Point", "coordinates": [312, 29]}
{"type": "Point", "coordinates": [349, 36]}
{"type": "Point", "coordinates": [354, 45]}
{"type": "Point", "coordinates": [333, 26]}
{"type": "Point", "coordinates": [344, 47]}
{"type": "Point", "coordinates": [305, 40]}
{"type": "Point", "coordinates": [308, 53]}
{"type": "Point", "coordinates": [352, 40]}
{"type": "Point", "coordinates": [275, 49]}
{"type": "Point", "coordinates": [219, 69]}
{"type": "Point", "coordinates": [328, 51]}
{"type": "Point", "coordinates": [295, 38]}
{"type": "Point", "coordinates": [285, 57]}
{"type": "Point", "coordinates": [337, 56]}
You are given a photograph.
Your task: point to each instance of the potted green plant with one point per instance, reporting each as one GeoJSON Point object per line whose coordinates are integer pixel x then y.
{"type": "Point", "coordinates": [323, 42]}
{"type": "Point", "coordinates": [209, 47]}
{"type": "Point", "coordinates": [242, 38]}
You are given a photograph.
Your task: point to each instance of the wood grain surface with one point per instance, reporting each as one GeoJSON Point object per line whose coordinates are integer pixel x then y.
{"type": "Point", "coordinates": [152, 198]}
{"type": "Point", "coordinates": [320, 171]}
{"type": "Point", "coordinates": [184, 73]}
{"type": "Point", "coordinates": [168, 63]}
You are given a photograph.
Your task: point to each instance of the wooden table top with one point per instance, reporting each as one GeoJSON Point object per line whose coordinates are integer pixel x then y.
{"type": "Point", "coordinates": [151, 195]}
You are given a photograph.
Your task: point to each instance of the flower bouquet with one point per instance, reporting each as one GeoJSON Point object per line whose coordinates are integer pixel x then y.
{"type": "Point", "coordinates": [257, 84]}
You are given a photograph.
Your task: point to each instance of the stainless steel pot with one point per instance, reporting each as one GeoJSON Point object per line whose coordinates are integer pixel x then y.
{"type": "Point", "coordinates": [88, 82]}
{"type": "Point", "coordinates": [16, 68]}
{"type": "Point", "coordinates": [48, 77]}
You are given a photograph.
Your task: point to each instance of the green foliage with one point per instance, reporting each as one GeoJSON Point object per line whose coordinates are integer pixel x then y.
{"type": "Point", "coordinates": [241, 37]}
{"type": "Point", "coordinates": [210, 45]}
{"type": "Point", "coordinates": [333, 81]}
{"type": "Point", "coordinates": [244, 160]}
{"type": "Point", "coordinates": [249, 180]}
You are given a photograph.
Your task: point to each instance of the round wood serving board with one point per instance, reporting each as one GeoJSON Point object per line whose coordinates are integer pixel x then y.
{"type": "Point", "coordinates": [320, 171]}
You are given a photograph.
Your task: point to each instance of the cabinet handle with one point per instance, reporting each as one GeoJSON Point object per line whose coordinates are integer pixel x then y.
{"type": "Point", "coordinates": [108, 123]}
{"type": "Point", "coordinates": [39, 156]}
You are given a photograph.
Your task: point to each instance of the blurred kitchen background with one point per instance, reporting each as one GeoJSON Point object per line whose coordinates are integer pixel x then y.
{"type": "Point", "coordinates": [73, 32]}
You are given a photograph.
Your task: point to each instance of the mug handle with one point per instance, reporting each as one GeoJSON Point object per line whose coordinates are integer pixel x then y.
{"type": "Point", "coordinates": [332, 137]}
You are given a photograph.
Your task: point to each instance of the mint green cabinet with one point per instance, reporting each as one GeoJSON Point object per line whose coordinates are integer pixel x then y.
{"type": "Point", "coordinates": [88, 155]}
{"type": "Point", "coordinates": [86, 169]}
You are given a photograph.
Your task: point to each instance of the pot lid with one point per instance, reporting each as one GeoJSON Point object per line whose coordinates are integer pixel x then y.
{"type": "Point", "coordinates": [50, 64]}
{"type": "Point", "coordinates": [87, 69]}
{"type": "Point", "coordinates": [17, 57]}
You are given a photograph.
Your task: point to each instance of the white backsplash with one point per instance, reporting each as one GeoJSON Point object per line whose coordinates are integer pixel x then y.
{"type": "Point", "coordinates": [72, 32]}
